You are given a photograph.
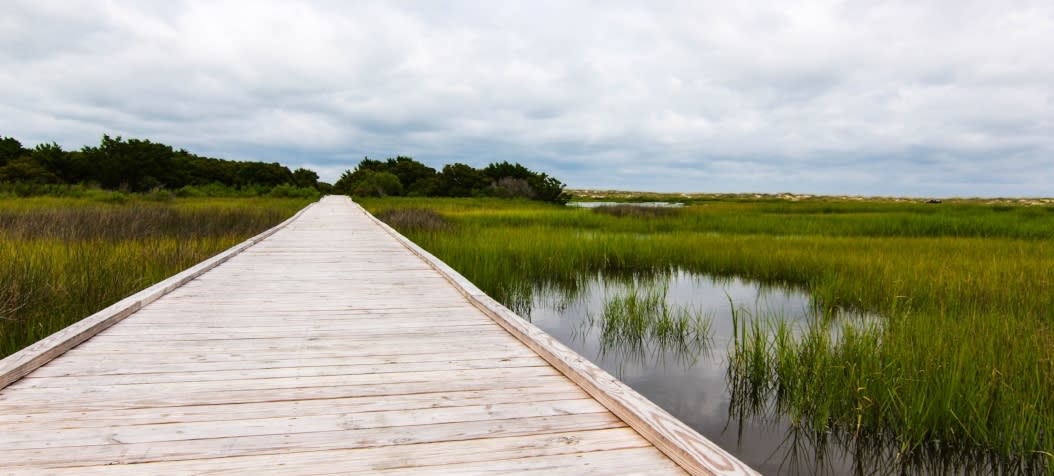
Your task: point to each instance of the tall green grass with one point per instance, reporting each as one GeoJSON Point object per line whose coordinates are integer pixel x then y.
{"type": "Point", "coordinates": [638, 321]}
{"type": "Point", "coordinates": [62, 259]}
{"type": "Point", "coordinates": [917, 393]}
{"type": "Point", "coordinates": [962, 361]}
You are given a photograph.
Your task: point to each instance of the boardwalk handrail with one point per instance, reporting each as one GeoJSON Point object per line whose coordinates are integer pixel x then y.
{"type": "Point", "coordinates": [21, 363]}
{"type": "Point", "coordinates": [685, 446]}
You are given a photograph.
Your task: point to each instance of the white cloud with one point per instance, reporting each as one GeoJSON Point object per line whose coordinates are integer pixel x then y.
{"type": "Point", "coordinates": [881, 98]}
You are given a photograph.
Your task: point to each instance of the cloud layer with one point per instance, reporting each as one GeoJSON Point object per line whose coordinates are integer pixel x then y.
{"type": "Point", "coordinates": [889, 98]}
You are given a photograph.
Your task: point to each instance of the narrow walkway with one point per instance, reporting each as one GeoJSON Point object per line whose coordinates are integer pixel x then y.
{"type": "Point", "coordinates": [327, 348]}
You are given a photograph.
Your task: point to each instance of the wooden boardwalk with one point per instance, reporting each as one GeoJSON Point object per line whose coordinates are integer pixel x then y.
{"type": "Point", "coordinates": [329, 345]}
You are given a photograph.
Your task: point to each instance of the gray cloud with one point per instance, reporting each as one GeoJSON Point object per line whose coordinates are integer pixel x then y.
{"type": "Point", "coordinates": [860, 97]}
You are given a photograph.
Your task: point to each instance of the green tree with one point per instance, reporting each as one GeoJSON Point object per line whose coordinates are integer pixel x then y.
{"type": "Point", "coordinates": [509, 180]}
{"type": "Point", "coordinates": [205, 170]}
{"type": "Point", "coordinates": [416, 178]}
{"type": "Point", "coordinates": [370, 164]}
{"type": "Point", "coordinates": [433, 186]}
{"type": "Point", "coordinates": [260, 173]}
{"type": "Point", "coordinates": [136, 165]}
{"type": "Point", "coordinates": [345, 183]}
{"type": "Point", "coordinates": [10, 149]}
{"type": "Point", "coordinates": [413, 174]}
{"type": "Point", "coordinates": [305, 178]}
{"type": "Point", "coordinates": [500, 170]}
{"type": "Point", "coordinates": [549, 189]}
{"type": "Point", "coordinates": [55, 160]}
{"type": "Point", "coordinates": [368, 183]}
{"type": "Point", "coordinates": [462, 180]}
{"type": "Point", "coordinates": [141, 165]}
{"type": "Point", "coordinates": [26, 170]}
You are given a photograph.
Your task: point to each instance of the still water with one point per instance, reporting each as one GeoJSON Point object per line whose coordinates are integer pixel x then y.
{"type": "Point", "coordinates": [631, 204]}
{"type": "Point", "coordinates": [689, 382]}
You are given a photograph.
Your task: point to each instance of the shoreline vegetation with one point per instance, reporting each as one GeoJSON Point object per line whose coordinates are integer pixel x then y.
{"type": "Point", "coordinates": [957, 374]}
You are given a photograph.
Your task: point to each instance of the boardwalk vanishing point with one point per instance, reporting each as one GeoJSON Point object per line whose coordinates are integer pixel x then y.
{"type": "Point", "coordinates": [329, 344]}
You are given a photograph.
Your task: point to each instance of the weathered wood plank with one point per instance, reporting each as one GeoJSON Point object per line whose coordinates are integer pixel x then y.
{"type": "Point", "coordinates": [26, 391]}
{"type": "Point", "coordinates": [247, 326]}
{"type": "Point", "coordinates": [276, 334]}
{"type": "Point", "coordinates": [240, 411]}
{"type": "Point", "coordinates": [225, 397]}
{"type": "Point", "coordinates": [32, 381]}
{"type": "Point", "coordinates": [367, 364]}
{"type": "Point", "coordinates": [345, 345]}
{"type": "Point", "coordinates": [139, 355]}
{"type": "Point", "coordinates": [637, 461]}
{"type": "Point", "coordinates": [55, 437]}
{"type": "Point", "coordinates": [421, 455]}
{"type": "Point", "coordinates": [138, 453]}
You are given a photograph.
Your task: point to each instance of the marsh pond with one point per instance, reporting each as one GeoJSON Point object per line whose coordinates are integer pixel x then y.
{"type": "Point", "coordinates": [688, 377]}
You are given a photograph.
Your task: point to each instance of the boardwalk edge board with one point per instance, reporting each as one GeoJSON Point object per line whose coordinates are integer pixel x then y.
{"type": "Point", "coordinates": [685, 446]}
{"type": "Point", "coordinates": [21, 363]}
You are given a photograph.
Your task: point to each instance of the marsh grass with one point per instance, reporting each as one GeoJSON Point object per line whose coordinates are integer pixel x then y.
{"type": "Point", "coordinates": [413, 219]}
{"type": "Point", "coordinates": [962, 360]}
{"type": "Point", "coordinates": [900, 390]}
{"type": "Point", "coordinates": [639, 321]}
{"type": "Point", "coordinates": [62, 259]}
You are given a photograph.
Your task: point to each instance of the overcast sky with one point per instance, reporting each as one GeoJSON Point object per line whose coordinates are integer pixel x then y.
{"type": "Point", "coordinates": [910, 98]}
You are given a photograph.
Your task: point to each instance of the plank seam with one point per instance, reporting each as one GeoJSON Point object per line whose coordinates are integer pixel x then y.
{"type": "Point", "coordinates": [21, 363]}
{"type": "Point", "coordinates": [682, 444]}
{"type": "Point", "coordinates": [508, 432]}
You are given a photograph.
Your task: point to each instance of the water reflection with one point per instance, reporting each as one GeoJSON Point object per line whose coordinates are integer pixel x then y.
{"type": "Point", "coordinates": [639, 324]}
{"type": "Point", "coordinates": [808, 451]}
{"type": "Point", "coordinates": [736, 404]}
{"type": "Point", "coordinates": [629, 204]}
{"type": "Point", "coordinates": [687, 377]}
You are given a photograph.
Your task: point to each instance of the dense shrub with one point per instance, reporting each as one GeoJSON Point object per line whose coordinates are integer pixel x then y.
{"type": "Point", "coordinates": [369, 183]}
{"type": "Point", "coordinates": [455, 180]}
{"type": "Point", "coordinates": [292, 191]}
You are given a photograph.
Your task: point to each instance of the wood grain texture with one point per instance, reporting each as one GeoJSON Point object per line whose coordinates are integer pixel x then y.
{"type": "Point", "coordinates": [681, 443]}
{"type": "Point", "coordinates": [279, 447]}
{"type": "Point", "coordinates": [420, 457]}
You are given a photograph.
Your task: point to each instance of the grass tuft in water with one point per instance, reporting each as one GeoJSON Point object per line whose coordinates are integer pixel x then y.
{"type": "Point", "coordinates": [639, 320]}
{"type": "Point", "coordinates": [886, 392]}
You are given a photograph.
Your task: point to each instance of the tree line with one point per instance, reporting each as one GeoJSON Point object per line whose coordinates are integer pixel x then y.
{"type": "Point", "coordinates": [137, 165]}
{"type": "Point", "coordinates": [406, 176]}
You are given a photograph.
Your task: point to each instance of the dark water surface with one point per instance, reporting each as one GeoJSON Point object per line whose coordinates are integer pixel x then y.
{"type": "Point", "coordinates": [690, 382]}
